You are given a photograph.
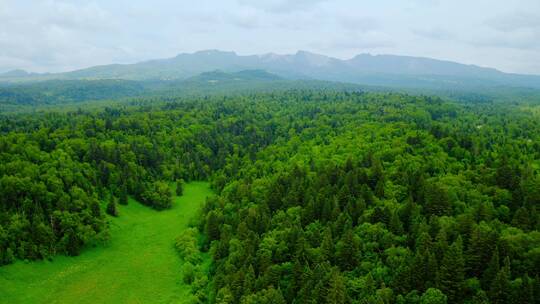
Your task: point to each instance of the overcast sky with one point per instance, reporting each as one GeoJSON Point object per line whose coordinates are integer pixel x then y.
{"type": "Point", "coordinates": [65, 35]}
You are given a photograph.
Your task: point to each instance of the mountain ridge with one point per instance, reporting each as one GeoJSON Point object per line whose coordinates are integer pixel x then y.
{"type": "Point", "coordinates": [385, 70]}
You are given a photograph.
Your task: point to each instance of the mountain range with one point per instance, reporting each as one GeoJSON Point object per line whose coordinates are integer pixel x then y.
{"type": "Point", "coordinates": [366, 69]}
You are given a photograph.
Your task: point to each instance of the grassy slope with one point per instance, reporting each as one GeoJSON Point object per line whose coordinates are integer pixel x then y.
{"type": "Point", "coordinates": [139, 265]}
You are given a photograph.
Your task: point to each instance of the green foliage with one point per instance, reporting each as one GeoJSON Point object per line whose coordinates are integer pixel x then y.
{"type": "Point", "coordinates": [322, 197]}
{"type": "Point", "coordinates": [112, 209]}
{"type": "Point", "coordinates": [187, 247]}
{"type": "Point", "coordinates": [157, 195]}
{"type": "Point", "coordinates": [137, 264]}
{"type": "Point", "coordinates": [123, 199]}
{"type": "Point", "coordinates": [369, 189]}
{"type": "Point", "coordinates": [452, 271]}
{"type": "Point", "coordinates": [500, 291]}
{"type": "Point", "coordinates": [59, 92]}
{"type": "Point", "coordinates": [179, 187]}
{"type": "Point", "coordinates": [433, 296]}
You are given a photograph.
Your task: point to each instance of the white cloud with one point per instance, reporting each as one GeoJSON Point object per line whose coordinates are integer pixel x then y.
{"type": "Point", "coordinates": [54, 35]}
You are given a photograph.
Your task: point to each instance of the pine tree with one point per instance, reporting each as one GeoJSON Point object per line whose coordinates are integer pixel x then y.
{"type": "Point", "coordinates": [536, 289]}
{"type": "Point", "coordinates": [336, 293]}
{"type": "Point", "coordinates": [111, 208]}
{"type": "Point", "coordinates": [452, 272]}
{"type": "Point", "coordinates": [327, 246]}
{"type": "Point", "coordinates": [481, 248]}
{"type": "Point", "coordinates": [347, 251]}
{"type": "Point", "coordinates": [212, 225]}
{"type": "Point", "coordinates": [441, 245]}
{"type": "Point", "coordinates": [402, 281]}
{"type": "Point", "coordinates": [524, 293]}
{"type": "Point", "coordinates": [274, 296]}
{"type": "Point", "coordinates": [417, 272]}
{"type": "Point", "coordinates": [505, 176]}
{"type": "Point", "coordinates": [179, 187]}
{"type": "Point", "coordinates": [437, 199]}
{"type": "Point", "coordinates": [433, 296]}
{"type": "Point", "coordinates": [522, 219]}
{"type": "Point", "coordinates": [73, 242]}
{"type": "Point", "coordinates": [431, 270]}
{"type": "Point", "coordinates": [249, 280]}
{"type": "Point", "coordinates": [123, 199]}
{"type": "Point", "coordinates": [395, 225]}
{"type": "Point", "coordinates": [296, 280]}
{"type": "Point", "coordinates": [95, 208]}
{"type": "Point", "coordinates": [379, 188]}
{"type": "Point", "coordinates": [499, 292]}
{"type": "Point", "coordinates": [492, 270]}
{"type": "Point", "coordinates": [480, 298]}
{"type": "Point", "coordinates": [7, 257]}
{"type": "Point", "coordinates": [377, 176]}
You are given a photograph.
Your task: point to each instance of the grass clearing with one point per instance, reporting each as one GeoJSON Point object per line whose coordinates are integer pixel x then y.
{"type": "Point", "coordinates": [138, 265]}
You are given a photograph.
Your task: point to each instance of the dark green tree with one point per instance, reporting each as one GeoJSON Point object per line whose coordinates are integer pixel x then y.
{"type": "Point", "coordinates": [500, 290]}
{"type": "Point", "coordinates": [179, 187]}
{"type": "Point", "coordinates": [452, 272]}
{"type": "Point", "coordinates": [123, 199]}
{"type": "Point", "coordinates": [112, 209]}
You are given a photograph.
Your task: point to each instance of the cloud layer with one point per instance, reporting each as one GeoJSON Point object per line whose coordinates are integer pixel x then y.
{"type": "Point", "coordinates": [53, 35]}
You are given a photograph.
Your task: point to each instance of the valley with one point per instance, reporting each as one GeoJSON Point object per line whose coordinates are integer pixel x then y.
{"type": "Point", "coordinates": [137, 265]}
{"type": "Point", "coordinates": [270, 152]}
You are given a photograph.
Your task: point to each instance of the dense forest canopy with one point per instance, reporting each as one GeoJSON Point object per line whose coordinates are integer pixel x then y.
{"type": "Point", "coordinates": [321, 196]}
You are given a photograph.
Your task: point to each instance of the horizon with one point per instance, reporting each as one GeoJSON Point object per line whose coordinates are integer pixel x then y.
{"type": "Point", "coordinates": [58, 35]}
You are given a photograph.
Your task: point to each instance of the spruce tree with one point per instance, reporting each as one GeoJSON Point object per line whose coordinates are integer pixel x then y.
{"type": "Point", "coordinates": [499, 292]}
{"type": "Point", "coordinates": [337, 292]}
{"type": "Point", "coordinates": [437, 199]}
{"type": "Point", "coordinates": [179, 187]}
{"type": "Point", "coordinates": [111, 208]}
{"type": "Point", "coordinates": [491, 272]}
{"type": "Point", "coordinates": [95, 208]}
{"type": "Point", "coordinates": [433, 296]}
{"type": "Point", "coordinates": [212, 225]}
{"type": "Point", "coordinates": [524, 293]}
{"type": "Point", "coordinates": [123, 199]}
{"type": "Point", "coordinates": [327, 246]}
{"type": "Point", "coordinates": [347, 251]}
{"type": "Point", "coordinates": [395, 225]}
{"type": "Point", "coordinates": [536, 289]}
{"type": "Point", "coordinates": [452, 272]}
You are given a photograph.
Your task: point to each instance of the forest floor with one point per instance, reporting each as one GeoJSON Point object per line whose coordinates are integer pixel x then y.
{"type": "Point", "coordinates": [138, 265]}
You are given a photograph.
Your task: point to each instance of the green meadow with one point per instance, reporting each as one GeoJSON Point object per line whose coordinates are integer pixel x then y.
{"type": "Point", "coordinates": [138, 265]}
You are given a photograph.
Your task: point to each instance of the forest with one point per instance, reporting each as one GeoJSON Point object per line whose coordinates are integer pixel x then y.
{"type": "Point", "coordinates": [321, 196]}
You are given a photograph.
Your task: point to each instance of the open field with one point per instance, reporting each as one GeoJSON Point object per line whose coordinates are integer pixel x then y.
{"type": "Point", "coordinates": [138, 265]}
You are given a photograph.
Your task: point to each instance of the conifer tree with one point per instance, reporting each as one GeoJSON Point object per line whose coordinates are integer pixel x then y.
{"type": "Point", "coordinates": [347, 251]}
{"type": "Point", "coordinates": [433, 296]}
{"type": "Point", "coordinates": [111, 208]}
{"type": "Point", "coordinates": [524, 293]}
{"type": "Point", "coordinates": [95, 208]}
{"type": "Point", "coordinates": [336, 293]}
{"type": "Point", "coordinates": [492, 270]}
{"type": "Point", "coordinates": [452, 272]}
{"type": "Point", "coordinates": [179, 187]}
{"type": "Point", "coordinates": [499, 292]}
{"type": "Point", "coordinates": [123, 199]}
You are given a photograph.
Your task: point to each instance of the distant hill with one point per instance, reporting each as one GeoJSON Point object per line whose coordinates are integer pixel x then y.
{"type": "Point", "coordinates": [246, 75]}
{"type": "Point", "coordinates": [375, 70]}
{"type": "Point", "coordinates": [68, 91]}
{"type": "Point", "coordinates": [54, 92]}
{"type": "Point", "coordinates": [14, 73]}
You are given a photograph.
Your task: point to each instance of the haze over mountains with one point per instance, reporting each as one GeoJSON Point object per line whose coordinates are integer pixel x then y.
{"type": "Point", "coordinates": [378, 70]}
